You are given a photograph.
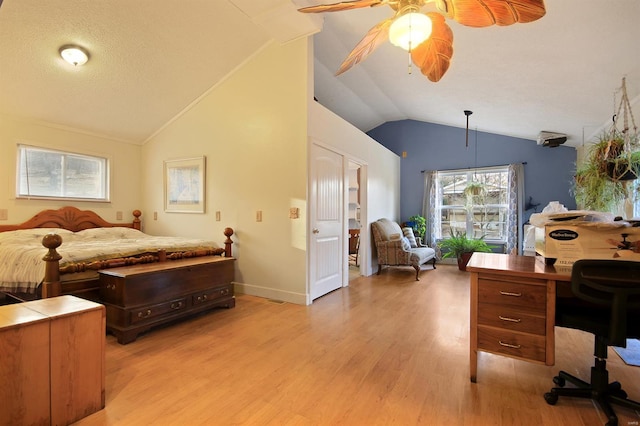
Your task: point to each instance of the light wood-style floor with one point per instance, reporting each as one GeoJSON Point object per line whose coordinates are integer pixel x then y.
{"type": "Point", "coordinates": [387, 350]}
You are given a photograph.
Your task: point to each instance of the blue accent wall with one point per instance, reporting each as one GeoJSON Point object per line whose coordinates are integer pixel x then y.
{"type": "Point", "coordinates": [548, 171]}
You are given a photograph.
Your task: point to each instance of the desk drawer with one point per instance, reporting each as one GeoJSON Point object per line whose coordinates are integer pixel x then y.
{"type": "Point", "coordinates": [515, 344]}
{"type": "Point", "coordinates": [511, 318]}
{"type": "Point", "coordinates": [529, 296]}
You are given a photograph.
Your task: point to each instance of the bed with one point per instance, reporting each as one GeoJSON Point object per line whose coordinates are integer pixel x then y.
{"type": "Point", "coordinates": [77, 245]}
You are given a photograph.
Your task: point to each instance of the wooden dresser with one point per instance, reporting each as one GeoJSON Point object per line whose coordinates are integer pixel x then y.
{"type": "Point", "coordinates": [53, 361]}
{"type": "Point", "coordinates": [513, 307]}
{"type": "Point", "coordinates": [142, 296]}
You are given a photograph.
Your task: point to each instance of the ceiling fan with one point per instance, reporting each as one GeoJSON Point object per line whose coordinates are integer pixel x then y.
{"type": "Point", "coordinates": [430, 40]}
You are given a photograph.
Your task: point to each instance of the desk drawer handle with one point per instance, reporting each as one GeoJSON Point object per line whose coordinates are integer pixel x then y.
{"type": "Point", "coordinates": [506, 293]}
{"type": "Point", "coordinates": [509, 319]}
{"type": "Point", "coordinates": [508, 345]}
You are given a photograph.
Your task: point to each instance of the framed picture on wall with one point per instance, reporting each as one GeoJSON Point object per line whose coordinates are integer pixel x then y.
{"type": "Point", "coordinates": [184, 185]}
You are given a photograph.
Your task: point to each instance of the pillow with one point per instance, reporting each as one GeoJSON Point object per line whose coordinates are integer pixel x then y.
{"type": "Point", "coordinates": [406, 245]}
{"type": "Point", "coordinates": [116, 232]}
{"type": "Point", "coordinates": [408, 233]}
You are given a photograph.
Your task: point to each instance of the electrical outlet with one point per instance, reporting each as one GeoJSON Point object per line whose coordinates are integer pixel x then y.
{"type": "Point", "coordinates": [4, 214]}
{"type": "Point", "coordinates": [294, 213]}
{"type": "Point", "coordinates": [118, 215]}
{"type": "Point", "coordinates": [259, 216]}
{"type": "Point", "coordinates": [217, 216]}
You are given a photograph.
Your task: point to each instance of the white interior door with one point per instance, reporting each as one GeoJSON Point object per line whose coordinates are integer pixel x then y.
{"type": "Point", "coordinates": [326, 248]}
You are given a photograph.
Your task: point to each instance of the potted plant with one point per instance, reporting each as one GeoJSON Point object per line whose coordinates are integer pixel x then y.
{"type": "Point", "coordinates": [601, 182]}
{"type": "Point", "coordinates": [419, 225]}
{"type": "Point", "coordinates": [461, 247]}
{"type": "Point", "coordinates": [474, 192]}
{"type": "Point", "coordinates": [474, 188]}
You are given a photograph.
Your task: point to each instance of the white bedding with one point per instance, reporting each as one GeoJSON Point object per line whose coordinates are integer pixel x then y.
{"type": "Point", "coordinates": [22, 268]}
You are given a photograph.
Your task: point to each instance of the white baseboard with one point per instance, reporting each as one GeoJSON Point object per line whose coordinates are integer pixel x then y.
{"type": "Point", "coordinates": [270, 293]}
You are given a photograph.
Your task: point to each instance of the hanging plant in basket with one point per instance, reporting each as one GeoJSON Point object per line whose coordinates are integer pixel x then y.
{"type": "Point", "coordinates": [601, 182]}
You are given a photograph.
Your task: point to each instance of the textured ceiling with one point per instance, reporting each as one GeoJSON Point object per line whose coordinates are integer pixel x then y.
{"type": "Point", "coordinates": [558, 74]}
{"type": "Point", "coordinates": [150, 59]}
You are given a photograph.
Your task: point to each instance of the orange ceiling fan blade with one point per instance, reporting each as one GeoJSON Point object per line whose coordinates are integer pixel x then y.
{"type": "Point", "coordinates": [345, 5]}
{"type": "Point", "coordinates": [433, 55]}
{"type": "Point", "coordinates": [483, 13]}
{"type": "Point", "coordinates": [374, 37]}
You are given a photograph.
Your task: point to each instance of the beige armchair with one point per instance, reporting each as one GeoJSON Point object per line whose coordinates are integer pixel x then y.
{"type": "Point", "coordinates": [394, 249]}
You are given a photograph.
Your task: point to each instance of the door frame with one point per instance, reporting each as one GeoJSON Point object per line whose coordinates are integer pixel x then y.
{"type": "Point", "coordinates": [364, 254]}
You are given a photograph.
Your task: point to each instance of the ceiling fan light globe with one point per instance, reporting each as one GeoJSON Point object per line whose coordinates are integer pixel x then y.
{"type": "Point", "coordinates": [409, 30]}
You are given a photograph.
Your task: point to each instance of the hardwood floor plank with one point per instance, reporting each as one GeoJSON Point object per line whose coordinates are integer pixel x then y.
{"type": "Point", "coordinates": [386, 350]}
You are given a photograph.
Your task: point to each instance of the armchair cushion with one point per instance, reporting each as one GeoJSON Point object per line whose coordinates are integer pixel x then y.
{"type": "Point", "coordinates": [406, 245]}
{"type": "Point", "coordinates": [408, 232]}
{"type": "Point", "coordinates": [392, 249]}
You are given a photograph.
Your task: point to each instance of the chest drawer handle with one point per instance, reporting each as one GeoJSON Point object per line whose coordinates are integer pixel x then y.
{"type": "Point", "coordinates": [224, 292]}
{"type": "Point", "coordinates": [177, 305]}
{"type": "Point", "coordinates": [506, 293]}
{"type": "Point", "coordinates": [509, 319]}
{"type": "Point", "coordinates": [144, 314]}
{"type": "Point", "coordinates": [508, 345]}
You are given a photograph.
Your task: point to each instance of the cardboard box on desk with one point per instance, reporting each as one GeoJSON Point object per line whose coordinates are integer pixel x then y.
{"type": "Point", "coordinates": [563, 244]}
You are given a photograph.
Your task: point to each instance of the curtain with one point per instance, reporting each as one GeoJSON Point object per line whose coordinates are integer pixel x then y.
{"type": "Point", "coordinates": [430, 209]}
{"type": "Point", "coordinates": [515, 214]}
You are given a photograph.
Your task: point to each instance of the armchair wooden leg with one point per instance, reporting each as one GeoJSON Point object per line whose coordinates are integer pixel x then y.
{"type": "Point", "coordinates": [433, 261]}
{"type": "Point", "coordinates": [417, 268]}
{"type": "Point", "coordinates": [379, 269]}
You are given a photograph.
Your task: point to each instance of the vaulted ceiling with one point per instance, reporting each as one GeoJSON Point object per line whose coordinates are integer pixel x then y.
{"type": "Point", "coordinates": [150, 59]}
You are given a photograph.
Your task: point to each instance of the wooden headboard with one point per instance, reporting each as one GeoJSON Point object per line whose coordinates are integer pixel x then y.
{"type": "Point", "coordinates": [71, 218]}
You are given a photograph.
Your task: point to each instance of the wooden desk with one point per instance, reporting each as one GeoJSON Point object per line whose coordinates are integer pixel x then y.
{"type": "Point", "coordinates": [513, 305]}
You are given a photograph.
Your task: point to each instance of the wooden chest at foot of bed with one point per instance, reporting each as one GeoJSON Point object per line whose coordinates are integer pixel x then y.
{"type": "Point", "coordinates": [140, 297]}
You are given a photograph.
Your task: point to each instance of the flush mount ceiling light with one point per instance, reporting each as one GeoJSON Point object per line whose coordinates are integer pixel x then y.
{"type": "Point", "coordinates": [73, 54]}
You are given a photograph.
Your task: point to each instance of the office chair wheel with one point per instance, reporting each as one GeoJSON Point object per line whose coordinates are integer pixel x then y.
{"type": "Point", "coordinates": [551, 398]}
{"type": "Point", "coordinates": [560, 381]}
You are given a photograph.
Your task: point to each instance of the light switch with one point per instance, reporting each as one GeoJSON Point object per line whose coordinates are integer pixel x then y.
{"type": "Point", "coordinates": [155, 215]}
{"type": "Point", "coordinates": [217, 216]}
{"type": "Point", "coordinates": [259, 216]}
{"type": "Point", "coordinates": [294, 213]}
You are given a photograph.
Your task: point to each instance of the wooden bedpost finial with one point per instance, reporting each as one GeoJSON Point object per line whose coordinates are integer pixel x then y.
{"type": "Point", "coordinates": [228, 232]}
{"type": "Point", "coordinates": [136, 220]}
{"type": "Point", "coordinates": [51, 286]}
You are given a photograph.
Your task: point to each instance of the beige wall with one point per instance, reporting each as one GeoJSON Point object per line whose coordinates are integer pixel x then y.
{"type": "Point", "coordinates": [124, 158]}
{"type": "Point", "coordinates": [252, 129]}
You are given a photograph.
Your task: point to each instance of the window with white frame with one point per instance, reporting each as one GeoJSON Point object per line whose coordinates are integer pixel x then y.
{"type": "Point", "coordinates": [47, 173]}
{"type": "Point", "coordinates": [473, 202]}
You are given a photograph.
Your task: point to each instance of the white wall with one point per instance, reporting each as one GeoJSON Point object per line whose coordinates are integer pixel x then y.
{"type": "Point", "coordinates": [381, 197]}
{"type": "Point", "coordinates": [124, 159]}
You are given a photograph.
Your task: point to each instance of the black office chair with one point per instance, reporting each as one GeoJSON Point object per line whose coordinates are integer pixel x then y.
{"type": "Point", "coordinates": [607, 304]}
